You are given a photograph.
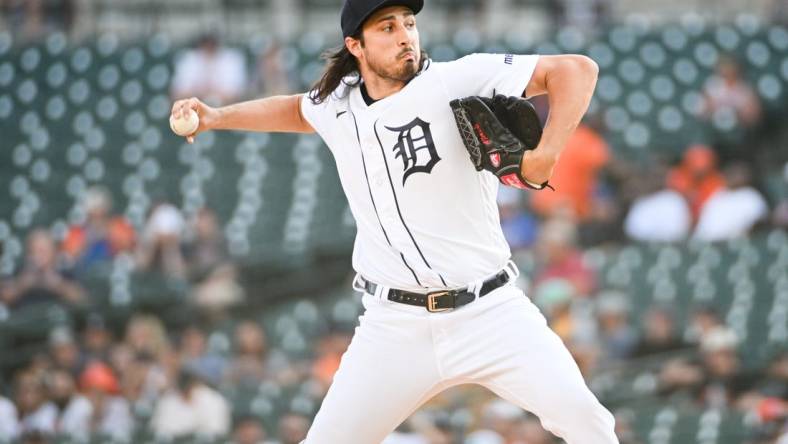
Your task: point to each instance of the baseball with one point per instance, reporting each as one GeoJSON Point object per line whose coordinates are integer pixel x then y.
{"type": "Point", "coordinates": [185, 126]}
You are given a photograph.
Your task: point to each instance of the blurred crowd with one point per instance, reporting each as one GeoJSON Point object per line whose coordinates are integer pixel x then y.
{"type": "Point", "coordinates": [143, 375]}
{"type": "Point", "coordinates": [707, 193]}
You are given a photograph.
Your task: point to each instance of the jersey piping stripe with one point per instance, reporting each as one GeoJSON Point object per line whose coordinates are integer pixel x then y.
{"type": "Point", "coordinates": [411, 270]}
{"type": "Point", "coordinates": [366, 177]}
{"type": "Point", "coordinates": [396, 203]}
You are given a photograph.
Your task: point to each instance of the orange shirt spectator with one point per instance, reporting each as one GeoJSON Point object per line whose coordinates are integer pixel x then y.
{"type": "Point", "coordinates": [575, 174]}
{"type": "Point", "coordinates": [101, 236]}
{"type": "Point", "coordinates": [120, 236]}
{"type": "Point", "coordinates": [697, 177]}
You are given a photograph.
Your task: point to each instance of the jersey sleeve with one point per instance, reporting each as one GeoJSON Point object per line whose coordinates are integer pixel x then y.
{"type": "Point", "coordinates": [481, 74]}
{"type": "Point", "coordinates": [316, 114]}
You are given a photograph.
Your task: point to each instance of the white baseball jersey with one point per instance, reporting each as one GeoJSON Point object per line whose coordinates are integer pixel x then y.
{"type": "Point", "coordinates": [425, 217]}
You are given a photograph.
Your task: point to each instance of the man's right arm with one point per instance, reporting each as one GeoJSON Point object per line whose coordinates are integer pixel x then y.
{"type": "Point", "coordinates": [270, 114]}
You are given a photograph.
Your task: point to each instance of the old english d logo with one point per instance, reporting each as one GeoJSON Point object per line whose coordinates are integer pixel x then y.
{"type": "Point", "coordinates": [415, 147]}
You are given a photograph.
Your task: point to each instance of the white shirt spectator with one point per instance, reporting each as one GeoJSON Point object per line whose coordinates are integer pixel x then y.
{"type": "Point", "coordinates": [206, 413]}
{"type": "Point", "coordinates": [663, 216]}
{"type": "Point", "coordinates": [75, 419]}
{"type": "Point", "coordinates": [115, 421]}
{"type": "Point", "coordinates": [215, 76]}
{"type": "Point", "coordinates": [41, 420]}
{"type": "Point", "coordinates": [730, 213]}
{"type": "Point", "coordinates": [9, 426]}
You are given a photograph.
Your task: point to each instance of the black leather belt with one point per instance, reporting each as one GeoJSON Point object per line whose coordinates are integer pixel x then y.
{"type": "Point", "coordinates": [441, 300]}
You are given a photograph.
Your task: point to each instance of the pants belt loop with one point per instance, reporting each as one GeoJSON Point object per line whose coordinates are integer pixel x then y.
{"type": "Point", "coordinates": [382, 292]}
{"type": "Point", "coordinates": [512, 270]}
{"type": "Point", "coordinates": [358, 283]}
{"type": "Point", "coordinates": [475, 287]}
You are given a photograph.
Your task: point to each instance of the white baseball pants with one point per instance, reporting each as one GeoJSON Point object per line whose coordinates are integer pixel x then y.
{"type": "Point", "coordinates": [401, 356]}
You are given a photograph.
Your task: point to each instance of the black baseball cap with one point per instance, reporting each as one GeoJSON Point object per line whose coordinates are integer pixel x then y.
{"type": "Point", "coordinates": [355, 12]}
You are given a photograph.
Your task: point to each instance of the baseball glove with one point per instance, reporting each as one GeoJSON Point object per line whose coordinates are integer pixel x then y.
{"type": "Point", "coordinates": [496, 132]}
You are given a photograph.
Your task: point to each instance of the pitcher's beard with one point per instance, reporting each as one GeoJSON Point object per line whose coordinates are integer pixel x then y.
{"type": "Point", "coordinates": [402, 73]}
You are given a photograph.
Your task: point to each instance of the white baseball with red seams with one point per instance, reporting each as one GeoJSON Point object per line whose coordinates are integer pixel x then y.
{"type": "Point", "coordinates": [427, 220]}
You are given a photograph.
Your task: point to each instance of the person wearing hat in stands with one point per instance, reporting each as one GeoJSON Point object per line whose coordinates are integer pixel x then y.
{"type": "Point", "coordinates": [110, 414]}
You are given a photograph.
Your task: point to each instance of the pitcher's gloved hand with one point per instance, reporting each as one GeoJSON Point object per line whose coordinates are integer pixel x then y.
{"type": "Point", "coordinates": [497, 132]}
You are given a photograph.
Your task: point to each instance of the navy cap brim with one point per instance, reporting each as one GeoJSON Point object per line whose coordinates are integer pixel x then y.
{"type": "Point", "coordinates": [354, 25]}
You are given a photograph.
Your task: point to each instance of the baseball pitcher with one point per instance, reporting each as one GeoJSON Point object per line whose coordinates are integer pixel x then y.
{"type": "Point", "coordinates": [421, 148]}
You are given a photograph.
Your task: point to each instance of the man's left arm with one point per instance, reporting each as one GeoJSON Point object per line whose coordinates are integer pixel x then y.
{"type": "Point", "coordinates": [568, 81]}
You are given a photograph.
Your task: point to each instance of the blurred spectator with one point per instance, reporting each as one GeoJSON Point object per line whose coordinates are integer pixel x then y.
{"type": "Point", "coordinates": [718, 380]}
{"type": "Point", "coordinates": [554, 298]}
{"type": "Point", "coordinates": [96, 338]}
{"type": "Point", "coordinates": [194, 350]}
{"type": "Point", "coordinates": [215, 74]}
{"type": "Point", "coordinates": [73, 410]}
{"type": "Point", "coordinates": [146, 334]}
{"type": "Point", "coordinates": [9, 426]}
{"type": "Point", "coordinates": [40, 280]}
{"type": "Point", "coordinates": [101, 236]}
{"type": "Point", "coordinates": [560, 258]}
{"type": "Point", "coordinates": [519, 227]}
{"type": "Point", "coordinates": [31, 19]}
{"type": "Point", "coordinates": [575, 176]}
{"type": "Point", "coordinates": [731, 211]}
{"type": "Point", "coordinates": [625, 428]}
{"type": "Point", "coordinates": [659, 214]}
{"type": "Point", "coordinates": [207, 249]}
{"type": "Point", "coordinates": [192, 344]}
{"type": "Point", "coordinates": [65, 351]}
{"type": "Point", "coordinates": [249, 430]}
{"type": "Point", "coordinates": [529, 430]}
{"type": "Point", "coordinates": [36, 413]}
{"type": "Point", "coordinates": [193, 408]}
{"type": "Point", "coordinates": [208, 264]}
{"type": "Point", "coordinates": [725, 380]}
{"type": "Point", "coordinates": [329, 351]}
{"type": "Point", "coordinates": [271, 78]}
{"type": "Point", "coordinates": [617, 337]}
{"type": "Point", "coordinates": [505, 423]}
{"type": "Point", "coordinates": [659, 333]}
{"type": "Point", "coordinates": [293, 428]}
{"type": "Point", "coordinates": [775, 382]}
{"type": "Point", "coordinates": [407, 432]}
{"type": "Point", "coordinates": [768, 402]}
{"type": "Point", "coordinates": [143, 379]}
{"type": "Point", "coordinates": [571, 318]}
{"type": "Point", "coordinates": [423, 427]}
{"type": "Point", "coordinates": [156, 363]}
{"type": "Point", "coordinates": [219, 292]}
{"type": "Point", "coordinates": [248, 365]}
{"type": "Point", "coordinates": [702, 321]}
{"type": "Point", "coordinates": [586, 15]}
{"type": "Point", "coordinates": [727, 91]}
{"type": "Point", "coordinates": [734, 110]}
{"type": "Point", "coordinates": [159, 250]}
{"type": "Point", "coordinates": [697, 177]}
{"type": "Point", "coordinates": [110, 414]}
